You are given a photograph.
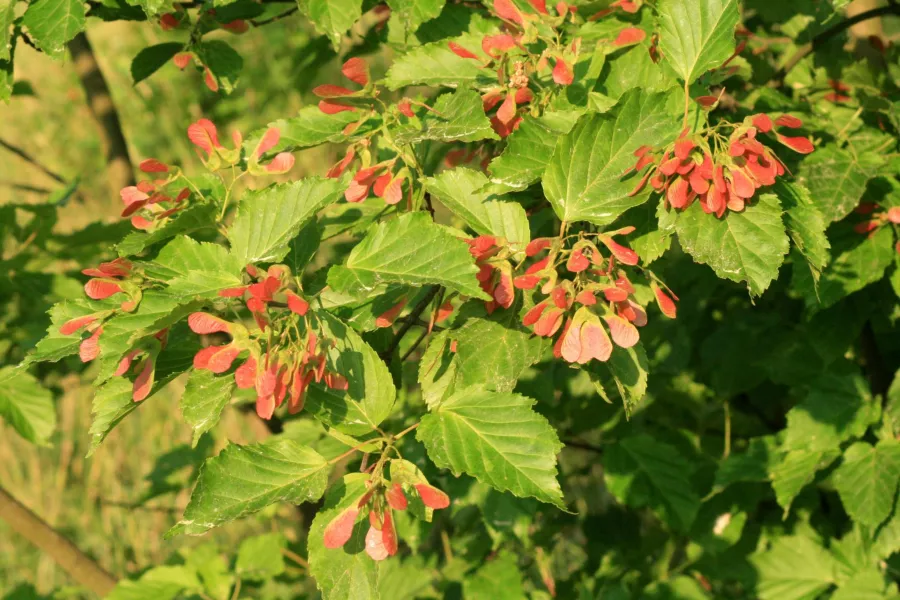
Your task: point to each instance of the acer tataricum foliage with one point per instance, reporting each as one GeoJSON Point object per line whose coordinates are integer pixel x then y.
{"type": "Point", "coordinates": [599, 300]}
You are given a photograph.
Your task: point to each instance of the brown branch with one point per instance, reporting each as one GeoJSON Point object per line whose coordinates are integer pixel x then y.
{"type": "Point", "coordinates": [826, 36]}
{"type": "Point", "coordinates": [76, 563]}
{"type": "Point", "coordinates": [30, 159]}
{"type": "Point", "coordinates": [410, 320]}
{"type": "Point", "coordinates": [120, 172]}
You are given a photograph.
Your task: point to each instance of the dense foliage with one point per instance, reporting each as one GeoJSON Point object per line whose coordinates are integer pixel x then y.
{"type": "Point", "coordinates": [600, 301]}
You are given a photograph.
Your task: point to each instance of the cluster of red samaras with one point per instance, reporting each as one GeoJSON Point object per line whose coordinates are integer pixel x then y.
{"type": "Point", "coordinates": [598, 286]}
{"type": "Point", "coordinates": [108, 279]}
{"type": "Point", "coordinates": [278, 373]}
{"type": "Point", "coordinates": [380, 501]}
{"type": "Point", "coordinates": [175, 20]}
{"type": "Point", "coordinates": [876, 217]}
{"type": "Point", "coordinates": [514, 91]}
{"type": "Point", "coordinates": [583, 337]}
{"type": "Point", "coordinates": [723, 180]}
{"type": "Point", "coordinates": [151, 202]}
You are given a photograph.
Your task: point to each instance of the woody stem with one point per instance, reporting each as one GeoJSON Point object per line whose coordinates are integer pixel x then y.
{"type": "Point", "coordinates": [405, 431]}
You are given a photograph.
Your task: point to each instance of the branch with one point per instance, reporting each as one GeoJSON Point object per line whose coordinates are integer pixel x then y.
{"type": "Point", "coordinates": [408, 322]}
{"type": "Point", "coordinates": [119, 168]}
{"type": "Point", "coordinates": [820, 40]}
{"type": "Point", "coordinates": [28, 158]}
{"type": "Point", "coordinates": [582, 446]}
{"type": "Point", "coordinates": [76, 563]}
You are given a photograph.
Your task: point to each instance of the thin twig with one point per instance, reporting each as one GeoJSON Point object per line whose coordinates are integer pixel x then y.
{"type": "Point", "coordinates": [28, 158]}
{"type": "Point", "coordinates": [295, 558]}
{"type": "Point", "coordinates": [583, 446]}
{"type": "Point", "coordinates": [415, 345]}
{"type": "Point", "coordinates": [820, 40]}
{"type": "Point", "coordinates": [287, 13]}
{"type": "Point", "coordinates": [408, 322]}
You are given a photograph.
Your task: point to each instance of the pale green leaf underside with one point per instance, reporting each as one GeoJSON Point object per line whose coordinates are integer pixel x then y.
{"type": "Point", "coordinates": [26, 406]}
{"type": "Point", "coordinates": [496, 438]}
{"type": "Point", "coordinates": [697, 35]}
{"type": "Point", "coordinates": [794, 568]}
{"type": "Point", "coordinates": [459, 190]}
{"type": "Point", "coordinates": [867, 480]}
{"type": "Point", "coordinates": [455, 117]}
{"type": "Point", "coordinates": [245, 479]}
{"type": "Point", "coordinates": [370, 396]}
{"type": "Point", "coordinates": [584, 178]}
{"type": "Point", "coordinates": [268, 219]}
{"type": "Point", "coordinates": [205, 396]}
{"type": "Point", "coordinates": [52, 23]}
{"type": "Point", "coordinates": [747, 246]}
{"type": "Point", "coordinates": [410, 249]}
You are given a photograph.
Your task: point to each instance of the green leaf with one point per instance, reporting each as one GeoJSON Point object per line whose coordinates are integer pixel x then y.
{"type": "Point", "coordinates": [52, 23]}
{"type": "Point", "coordinates": [113, 400]}
{"type": "Point", "coordinates": [436, 65]}
{"type": "Point", "coordinates": [410, 249]}
{"type": "Point", "coordinates": [159, 583]}
{"type": "Point", "coordinates": [805, 223]}
{"type": "Point", "coordinates": [124, 331]}
{"type": "Point", "coordinates": [311, 127]}
{"type": "Point", "coordinates": [407, 15]}
{"type": "Point", "coordinates": [796, 470]}
{"type": "Point", "coordinates": [499, 579]}
{"type": "Point", "coordinates": [245, 479]}
{"type": "Point", "coordinates": [7, 16]}
{"type": "Point", "coordinates": [857, 261]}
{"type": "Point", "coordinates": [260, 558]}
{"type": "Point", "coordinates": [584, 178]}
{"type": "Point", "coordinates": [753, 464]}
{"type": "Point", "coordinates": [333, 18]}
{"type": "Point", "coordinates": [347, 572]}
{"type": "Point", "coordinates": [496, 438]}
{"type": "Point", "coordinates": [197, 269]}
{"type": "Point", "coordinates": [455, 117]}
{"type": "Point", "coordinates": [642, 471]}
{"type": "Point", "coordinates": [836, 179]}
{"type": "Point", "coordinates": [370, 396]}
{"type": "Point", "coordinates": [654, 229]}
{"type": "Point", "coordinates": [152, 58]}
{"type": "Point", "coordinates": [867, 480]}
{"type": "Point", "coordinates": [268, 219]}
{"type": "Point", "coordinates": [529, 148]}
{"type": "Point", "coordinates": [26, 405]}
{"type": "Point", "coordinates": [697, 35]}
{"type": "Point", "coordinates": [205, 396]}
{"type": "Point", "coordinates": [7, 79]}
{"type": "Point", "coordinates": [437, 370]}
{"type": "Point", "coordinates": [55, 346]}
{"type": "Point", "coordinates": [629, 369]}
{"type": "Point", "coordinates": [747, 246]}
{"type": "Point", "coordinates": [459, 190]}
{"type": "Point", "coordinates": [794, 568]}
{"type": "Point", "coordinates": [837, 408]}
{"type": "Point", "coordinates": [224, 62]}
{"type": "Point", "coordinates": [494, 354]}
{"type": "Point", "coordinates": [193, 218]}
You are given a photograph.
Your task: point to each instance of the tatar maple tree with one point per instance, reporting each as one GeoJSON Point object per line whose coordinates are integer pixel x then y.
{"type": "Point", "coordinates": [615, 314]}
